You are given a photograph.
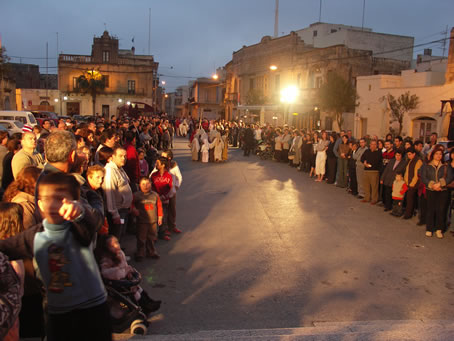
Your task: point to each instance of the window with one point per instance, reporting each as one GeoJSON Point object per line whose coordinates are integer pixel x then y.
{"type": "Point", "coordinates": [318, 82]}
{"type": "Point", "coordinates": [251, 83]}
{"type": "Point", "coordinates": [131, 87]}
{"type": "Point", "coordinates": [105, 56]}
{"type": "Point", "coordinates": [106, 81]}
{"type": "Point", "coordinates": [328, 123]}
{"type": "Point", "coordinates": [370, 87]}
{"type": "Point", "coordinates": [314, 34]}
{"type": "Point", "coordinates": [333, 30]}
{"type": "Point", "coordinates": [75, 83]}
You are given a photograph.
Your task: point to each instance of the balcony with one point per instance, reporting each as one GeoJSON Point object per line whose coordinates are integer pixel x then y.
{"type": "Point", "coordinates": [111, 91]}
{"type": "Point", "coordinates": [133, 60]}
{"type": "Point", "coordinates": [72, 58]}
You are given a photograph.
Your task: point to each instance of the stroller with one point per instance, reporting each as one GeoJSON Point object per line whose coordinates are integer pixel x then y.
{"type": "Point", "coordinates": [125, 311]}
{"type": "Point", "coordinates": [265, 152]}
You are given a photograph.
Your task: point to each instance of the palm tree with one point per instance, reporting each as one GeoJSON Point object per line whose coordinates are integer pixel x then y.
{"type": "Point", "coordinates": [91, 82]}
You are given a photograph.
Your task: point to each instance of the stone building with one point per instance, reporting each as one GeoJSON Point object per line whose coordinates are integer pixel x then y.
{"type": "Point", "coordinates": [129, 78]}
{"type": "Point", "coordinates": [206, 99]}
{"type": "Point", "coordinates": [385, 45]}
{"type": "Point", "coordinates": [256, 75]}
{"type": "Point", "coordinates": [434, 88]}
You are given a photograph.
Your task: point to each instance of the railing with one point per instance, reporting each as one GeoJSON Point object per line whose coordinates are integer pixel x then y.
{"type": "Point", "coordinates": [71, 58]}
{"type": "Point", "coordinates": [110, 91]}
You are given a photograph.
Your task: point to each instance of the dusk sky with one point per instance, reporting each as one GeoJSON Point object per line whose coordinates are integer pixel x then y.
{"type": "Point", "coordinates": [196, 36]}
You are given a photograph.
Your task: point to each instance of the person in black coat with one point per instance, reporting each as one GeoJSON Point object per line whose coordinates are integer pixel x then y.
{"type": "Point", "coordinates": [249, 140]}
{"type": "Point", "coordinates": [13, 147]}
{"type": "Point", "coordinates": [395, 166]}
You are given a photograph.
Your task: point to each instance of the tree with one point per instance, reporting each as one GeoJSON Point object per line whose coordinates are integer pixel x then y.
{"type": "Point", "coordinates": [398, 107]}
{"type": "Point", "coordinates": [91, 82]}
{"type": "Point", "coordinates": [337, 96]}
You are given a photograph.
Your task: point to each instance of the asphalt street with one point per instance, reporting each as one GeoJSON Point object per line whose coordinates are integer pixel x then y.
{"type": "Point", "coordinates": [264, 246]}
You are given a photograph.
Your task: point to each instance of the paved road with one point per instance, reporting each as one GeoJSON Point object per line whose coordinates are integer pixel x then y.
{"type": "Point", "coordinates": [266, 247]}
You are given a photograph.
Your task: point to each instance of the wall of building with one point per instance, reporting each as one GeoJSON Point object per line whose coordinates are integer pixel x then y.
{"type": "Point", "coordinates": [375, 111]}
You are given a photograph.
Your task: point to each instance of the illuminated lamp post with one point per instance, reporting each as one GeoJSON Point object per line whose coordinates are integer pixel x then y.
{"type": "Point", "coordinates": [289, 96]}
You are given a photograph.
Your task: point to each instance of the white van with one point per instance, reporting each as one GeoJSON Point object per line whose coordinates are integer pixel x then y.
{"type": "Point", "coordinates": [26, 117]}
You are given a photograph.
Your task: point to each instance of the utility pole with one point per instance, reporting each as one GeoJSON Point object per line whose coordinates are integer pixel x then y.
{"type": "Point", "coordinates": [47, 69]}
{"type": "Point", "coordinates": [364, 10]}
{"type": "Point", "coordinates": [444, 41]}
{"type": "Point", "coordinates": [276, 20]}
{"type": "Point", "coordinates": [320, 12]}
{"type": "Point", "coordinates": [149, 29]}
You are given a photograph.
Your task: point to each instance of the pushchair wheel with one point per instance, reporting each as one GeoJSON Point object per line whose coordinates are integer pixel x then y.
{"type": "Point", "coordinates": [138, 327]}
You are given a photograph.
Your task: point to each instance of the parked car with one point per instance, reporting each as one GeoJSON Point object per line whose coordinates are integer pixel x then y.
{"type": "Point", "coordinates": [80, 118]}
{"type": "Point", "coordinates": [12, 126]}
{"type": "Point", "coordinates": [26, 117]}
{"type": "Point", "coordinates": [45, 115]}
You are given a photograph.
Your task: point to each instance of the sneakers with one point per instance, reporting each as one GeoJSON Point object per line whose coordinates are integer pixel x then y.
{"type": "Point", "coordinates": [439, 234]}
{"type": "Point", "coordinates": [175, 230]}
{"type": "Point", "coordinates": [373, 202]}
{"type": "Point", "coordinates": [428, 234]}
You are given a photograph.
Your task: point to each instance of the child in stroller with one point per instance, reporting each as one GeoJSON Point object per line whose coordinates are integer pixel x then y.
{"type": "Point", "coordinates": [129, 304]}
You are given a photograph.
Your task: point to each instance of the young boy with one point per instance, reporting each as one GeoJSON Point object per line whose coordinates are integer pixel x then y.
{"type": "Point", "coordinates": [399, 189]}
{"type": "Point", "coordinates": [62, 249]}
{"type": "Point", "coordinates": [148, 209]}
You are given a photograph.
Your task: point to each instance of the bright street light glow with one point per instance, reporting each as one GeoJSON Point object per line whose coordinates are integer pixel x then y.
{"type": "Point", "coordinates": [128, 103]}
{"type": "Point", "coordinates": [215, 76]}
{"type": "Point", "coordinates": [120, 100]}
{"type": "Point", "coordinates": [289, 94]}
{"type": "Point", "coordinates": [273, 67]}
{"type": "Point", "coordinates": [56, 100]}
{"type": "Point", "coordinates": [163, 82]}
{"type": "Point", "coordinates": [65, 98]}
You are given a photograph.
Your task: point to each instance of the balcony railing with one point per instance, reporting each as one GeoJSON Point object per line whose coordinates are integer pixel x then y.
{"type": "Point", "coordinates": [137, 61]}
{"type": "Point", "coordinates": [111, 91]}
{"type": "Point", "coordinates": [71, 58]}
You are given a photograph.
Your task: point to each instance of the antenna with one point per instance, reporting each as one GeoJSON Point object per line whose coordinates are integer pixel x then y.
{"type": "Point", "coordinates": [149, 29]}
{"type": "Point", "coordinates": [276, 20]}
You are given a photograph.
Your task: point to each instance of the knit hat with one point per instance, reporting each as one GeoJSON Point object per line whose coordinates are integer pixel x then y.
{"type": "Point", "coordinates": [27, 129]}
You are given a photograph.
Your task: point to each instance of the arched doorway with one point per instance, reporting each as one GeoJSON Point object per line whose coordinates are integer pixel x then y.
{"type": "Point", "coordinates": [44, 103]}
{"type": "Point", "coordinates": [423, 127]}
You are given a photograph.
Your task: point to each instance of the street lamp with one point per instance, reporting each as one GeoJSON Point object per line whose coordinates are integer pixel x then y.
{"type": "Point", "coordinates": [120, 100]}
{"type": "Point", "coordinates": [215, 77]}
{"type": "Point", "coordinates": [273, 67]}
{"type": "Point", "coordinates": [128, 103]}
{"type": "Point", "coordinates": [289, 96]}
{"type": "Point", "coordinates": [275, 120]}
{"type": "Point", "coordinates": [163, 82]}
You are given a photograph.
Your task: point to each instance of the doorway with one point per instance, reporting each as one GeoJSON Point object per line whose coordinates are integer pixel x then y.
{"type": "Point", "coordinates": [72, 108]}
{"type": "Point", "coordinates": [423, 128]}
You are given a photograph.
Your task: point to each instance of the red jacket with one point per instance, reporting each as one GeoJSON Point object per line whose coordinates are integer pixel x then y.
{"type": "Point", "coordinates": [132, 167]}
{"type": "Point", "coordinates": [162, 184]}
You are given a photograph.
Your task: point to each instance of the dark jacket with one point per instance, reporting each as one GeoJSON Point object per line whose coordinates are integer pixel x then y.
{"type": "Point", "coordinates": [430, 174]}
{"type": "Point", "coordinates": [389, 174]}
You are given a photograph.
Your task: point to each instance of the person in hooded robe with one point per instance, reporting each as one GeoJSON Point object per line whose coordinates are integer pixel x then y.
{"type": "Point", "coordinates": [205, 149]}
{"type": "Point", "coordinates": [218, 146]}
{"type": "Point", "coordinates": [195, 147]}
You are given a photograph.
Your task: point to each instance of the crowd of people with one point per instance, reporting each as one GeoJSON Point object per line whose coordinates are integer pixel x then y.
{"type": "Point", "coordinates": [407, 178]}
{"type": "Point", "coordinates": [70, 193]}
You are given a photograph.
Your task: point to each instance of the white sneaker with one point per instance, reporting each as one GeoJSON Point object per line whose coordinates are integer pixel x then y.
{"type": "Point", "coordinates": [439, 234]}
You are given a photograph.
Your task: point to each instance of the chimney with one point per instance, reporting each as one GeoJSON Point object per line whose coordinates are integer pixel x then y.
{"type": "Point", "coordinates": [427, 52]}
{"type": "Point", "coordinates": [450, 68]}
